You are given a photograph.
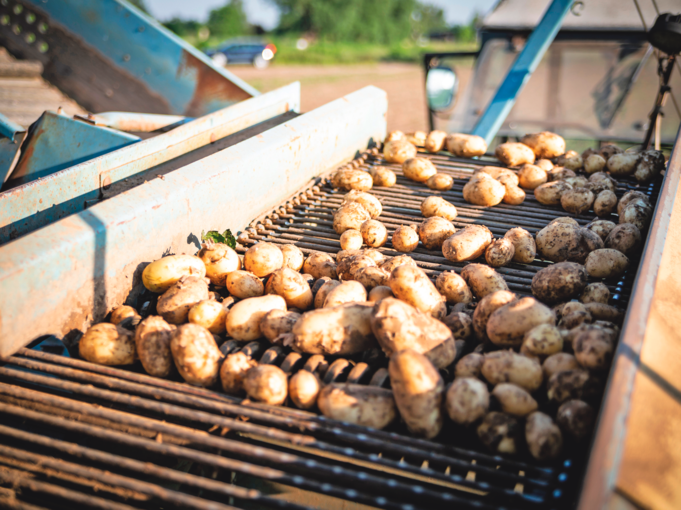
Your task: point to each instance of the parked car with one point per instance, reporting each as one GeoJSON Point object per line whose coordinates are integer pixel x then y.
{"type": "Point", "coordinates": [240, 51]}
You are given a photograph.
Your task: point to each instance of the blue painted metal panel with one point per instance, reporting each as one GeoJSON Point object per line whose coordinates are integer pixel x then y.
{"type": "Point", "coordinates": [8, 128]}
{"type": "Point", "coordinates": [185, 77]}
{"type": "Point", "coordinates": [521, 70]}
{"type": "Point", "coordinates": [33, 205]}
{"type": "Point", "coordinates": [64, 276]}
{"type": "Point", "coordinates": [55, 142]}
{"type": "Point", "coordinates": [11, 136]}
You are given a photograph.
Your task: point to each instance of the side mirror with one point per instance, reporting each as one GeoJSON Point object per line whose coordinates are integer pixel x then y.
{"type": "Point", "coordinates": [442, 85]}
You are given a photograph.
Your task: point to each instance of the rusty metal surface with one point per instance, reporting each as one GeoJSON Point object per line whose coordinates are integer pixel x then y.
{"type": "Point", "coordinates": [110, 56]}
{"type": "Point", "coordinates": [73, 272]}
{"type": "Point", "coordinates": [613, 424]}
{"type": "Point", "coordinates": [36, 204]}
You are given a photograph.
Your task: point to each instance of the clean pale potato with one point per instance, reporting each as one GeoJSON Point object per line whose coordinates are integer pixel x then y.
{"type": "Point", "coordinates": [435, 141]}
{"type": "Point", "coordinates": [243, 319]}
{"type": "Point", "coordinates": [175, 303]}
{"type": "Point", "coordinates": [412, 285]}
{"type": "Point", "coordinates": [262, 259]}
{"type": "Point", "coordinates": [304, 388]}
{"type": "Point", "coordinates": [418, 169]}
{"type": "Point", "coordinates": [622, 164]}
{"type": "Point", "coordinates": [349, 216]}
{"type": "Point", "coordinates": [466, 146]}
{"type": "Point", "coordinates": [453, 287]}
{"type": "Point", "coordinates": [320, 264]}
{"type": "Point", "coordinates": [346, 292]}
{"type": "Point", "coordinates": [542, 341]}
{"type": "Point", "coordinates": [293, 256]}
{"type": "Point", "coordinates": [469, 243]}
{"type": "Point", "coordinates": [460, 324]}
{"type": "Point", "coordinates": [601, 227]}
{"type": "Point", "coordinates": [559, 282]}
{"type": "Point", "coordinates": [531, 176]}
{"type": "Point", "coordinates": [508, 324]}
{"type": "Point", "coordinates": [391, 264]}
{"type": "Point", "coordinates": [277, 322]}
{"type": "Point", "coordinates": [209, 314]}
{"type": "Point", "coordinates": [559, 362]}
{"type": "Point", "coordinates": [503, 175]}
{"type": "Point", "coordinates": [594, 163]}
{"type": "Point", "coordinates": [437, 206]}
{"type": "Point", "coordinates": [232, 372]}
{"type": "Point", "coordinates": [571, 160]}
{"type": "Point", "coordinates": [244, 284]}
{"type": "Point", "coordinates": [417, 138]}
{"type": "Point", "coordinates": [469, 366]}
{"type": "Point", "coordinates": [500, 252]}
{"type": "Point", "coordinates": [544, 164]}
{"type": "Point", "coordinates": [483, 189]}
{"type": "Point", "coordinates": [107, 344]}
{"type": "Point", "coordinates": [525, 249]}
{"type": "Point", "coordinates": [606, 263]}
{"type": "Point", "coordinates": [395, 135]}
{"type": "Point", "coordinates": [351, 239]}
{"type": "Point", "coordinates": [368, 406]}
{"type": "Point", "coordinates": [440, 182]}
{"type": "Point", "coordinates": [220, 260]}
{"type": "Point", "coordinates": [398, 326]}
{"type": "Point", "coordinates": [418, 390]}
{"type": "Point", "coordinates": [514, 154]}
{"type": "Point", "coordinates": [352, 179]}
{"type": "Point", "coordinates": [374, 233]}
{"type": "Point", "coordinates": [266, 383]}
{"type": "Point", "coordinates": [398, 151]}
{"type": "Point", "coordinates": [380, 292]}
{"type": "Point", "coordinates": [575, 418]}
{"type": "Point", "coordinates": [543, 437]}
{"type": "Point", "coordinates": [339, 331]}
{"type": "Point", "coordinates": [483, 280]}
{"type": "Point", "coordinates": [514, 195]}
{"type": "Point", "coordinates": [467, 400]}
{"type": "Point", "coordinates": [196, 355]}
{"type": "Point", "coordinates": [488, 305]}
{"type": "Point", "coordinates": [152, 342]}
{"type": "Point", "coordinates": [367, 200]}
{"type": "Point", "coordinates": [649, 165]}
{"type": "Point", "coordinates": [561, 241]}
{"type": "Point", "coordinates": [550, 193]}
{"type": "Point", "coordinates": [500, 432]}
{"type": "Point", "coordinates": [405, 239]}
{"type": "Point", "coordinates": [513, 399]}
{"type": "Point", "coordinates": [163, 273]}
{"type": "Point", "coordinates": [507, 366]}
{"type": "Point", "coordinates": [291, 285]}
{"type": "Point", "coordinates": [577, 200]}
{"type": "Point", "coordinates": [382, 176]}
{"type": "Point", "coordinates": [545, 145]}
{"type": "Point", "coordinates": [595, 293]}
{"type": "Point", "coordinates": [434, 231]}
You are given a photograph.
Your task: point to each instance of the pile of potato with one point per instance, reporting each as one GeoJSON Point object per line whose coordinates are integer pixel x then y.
{"type": "Point", "coordinates": [524, 372]}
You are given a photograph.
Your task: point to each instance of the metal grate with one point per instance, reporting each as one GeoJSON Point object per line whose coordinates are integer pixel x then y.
{"type": "Point", "coordinates": [76, 433]}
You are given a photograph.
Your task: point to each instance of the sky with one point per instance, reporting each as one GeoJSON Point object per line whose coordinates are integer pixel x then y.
{"type": "Point", "coordinates": [265, 14]}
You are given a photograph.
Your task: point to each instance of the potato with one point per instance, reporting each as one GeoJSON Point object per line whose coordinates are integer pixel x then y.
{"type": "Point", "coordinates": [368, 201]}
{"type": "Point", "coordinates": [304, 388]}
{"type": "Point", "coordinates": [524, 247]}
{"type": "Point", "coordinates": [412, 285]}
{"type": "Point", "coordinates": [351, 239]}
{"type": "Point", "coordinates": [551, 192]}
{"type": "Point", "coordinates": [417, 138]}
{"type": "Point", "coordinates": [503, 175]}
{"type": "Point", "coordinates": [609, 150]}
{"type": "Point", "coordinates": [460, 324]}
{"type": "Point", "coordinates": [570, 160]}
{"type": "Point", "coordinates": [405, 239]}
{"type": "Point", "coordinates": [578, 182]}
{"type": "Point", "coordinates": [606, 263]}
{"type": "Point", "coordinates": [398, 151]}
{"type": "Point", "coordinates": [263, 258]}
{"type": "Point", "coordinates": [349, 216]}
{"type": "Point", "coordinates": [124, 315]}
{"type": "Point", "coordinates": [575, 418]}
{"type": "Point", "coordinates": [341, 330]}
{"type": "Point", "coordinates": [594, 348]}
{"type": "Point", "coordinates": [559, 242]}
{"type": "Point", "coordinates": [320, 264]}
{"type": "Point", "coordinates": [108, 344]}
{"type": "Point", "coordinates": [514, 195]}
{"type": "Point", "coordinates": [531, 176]}
{"type": "Point", "coordinates": [352, 179]}
{"type": "Point", "coordinates": [380, 292]}
{"type": "Point", "coordinates": [152, 342]}
{"type": "Point", "coordinates": [560, 173]}
{"type": "Point", "coordinates": [566, 220]}
{"type": "Point", "coordinates": [649, 165]}
{"type": "Point", "coordinates": [601, 181]}
{"type": "Point", "coordinates": [196, 355]}
{"type": "Point", "coordinates": [243, 319]}
{"type": "Point", "coordinates": [483, 280]}
{"type": "Point", "coordinates": [559, 282]}
{"type": "Point", "coordinates": [374, 255]}
{"type": "Point", "coordinates": [391, 264]}
{"type": "Point", "coordinates": [418, 169]}
{"type": "Point", "coordinates": [266, 383]}
{"type": "Point", "coordinates": [418, 390]}
{"type": "Point", "coordinates": [543, 437]}
{"type": "Point", "coordinates": [577, 200]}
{"type": "Point", "coordinates": [514, 399]}
{"type": "Point", "coordinates": [163, 273]}
{"type": "Point", "coordinates": [395, 135]}
{"type": "Point", "coordinates": [542, 341]}
{"type": "Point", "coordinates": [232, 372]}
{"type": "Point", "coordinates": [277, 322]}
{"type": "Point", "coordinates": [594, 163]}
{"type": "Point", "coordinates": [398, 326]}
{"type": "Point", "coordinates": [346, 292]}
{"type": "Point", "coordinates": [483, 189]}
{"type": "Point", "coordinates": [434, 231]}
{"type": "Point", "coordinates": [500, 433]}
{"type": "Point", "coordinates": [323, 292]}
{"type": "Point", "coordinates": [467, 400]}
{"type": "Point", "coordinates": [514, 154]}
{"type": "Point", "coordinates": [601, 227]}
{"type": "Point", "coordinates": [638, 213]}
{"type": "Point", "coordinates": [625, 238]}
{"type": "Point", "coordinates": [500, 252]}
{"type": "Point", "coordinates": [435, 141]}
{"type": "Point", "coordinates": [468, 243]}
{"type": "Point", "coordinates": [469, 366]}
{"type": "Point", "coordinates": [545, 145]}
{"type": "Point", "coordinates": [209, 314]}
{"type": "Point", "coordinates": [629, 197]}
{"type": "Point", "coordinates": [623, 164]}
{"type": "Point", "coordinates": [220, 260]}
{"type": "Point", "coordinates": [508, 324]}
{"type": "Point", "coordinates": [175, 303]}
{"type": "Point", "coordinates": [440, 182]}
{"type": "Point", "coordinates": [569, 384]}
{"type": "Point", "coordinates": [372, 277]}
{"type": "Point", "coordinates": [244, 284]}
{"type": "Point", "coordinates": [453, 287]}
{"type": "Point", "coordinates": [382, 176]}
{"type": "Point", "coordinates": [436, 206]}
{"type": "Point", "coordinates": [488, 305]}
{"type": "Point", "coordinates": [544, 164]}
{"type": "Point", "coordinates": [466, 146]}
{"type": "Point", "coordinates": [558, 362]}
{"type": "Point", "coordinates": [507, 366]}
{"type": "Point", "coordinates": [368, 406]}
{"type": "Point", "coordinates": [595, 293]}
{"type": "Point", "coordinates": [374, 233]}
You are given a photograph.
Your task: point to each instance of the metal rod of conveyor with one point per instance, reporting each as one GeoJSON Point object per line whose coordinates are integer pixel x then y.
{"type": "Point", "coordinates": [541, 38]}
